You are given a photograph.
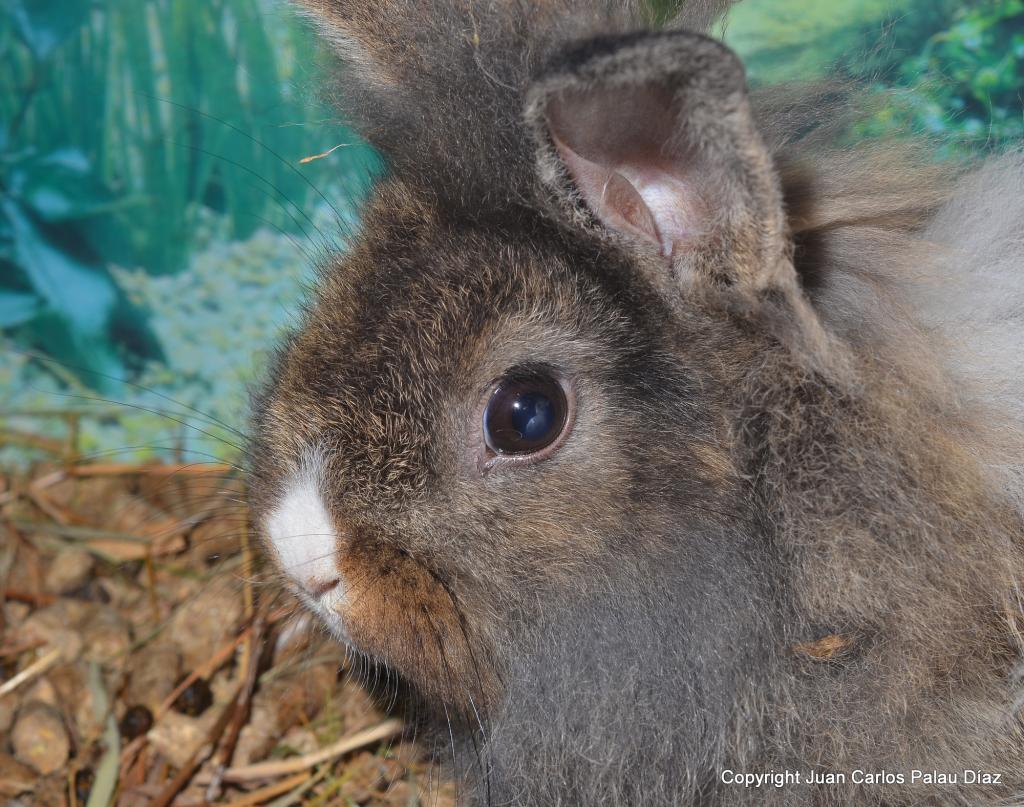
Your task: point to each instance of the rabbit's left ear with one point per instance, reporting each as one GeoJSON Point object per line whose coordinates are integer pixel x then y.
{"type": "Point", "coordinates": [650, 140]}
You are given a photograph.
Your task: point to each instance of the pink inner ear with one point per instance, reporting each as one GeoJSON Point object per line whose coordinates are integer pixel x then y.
{"type": "Point", "coordinates": [620, 148]}
{"type": "Point", "coordinates": [672, 204]}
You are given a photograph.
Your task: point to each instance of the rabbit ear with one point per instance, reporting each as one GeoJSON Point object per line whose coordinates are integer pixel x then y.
{"type": "Point", "coordinates": [650, 139]}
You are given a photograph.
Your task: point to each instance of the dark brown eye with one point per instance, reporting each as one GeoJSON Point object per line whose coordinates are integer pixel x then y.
{"type": "Point", "coordinates": [525, 414]}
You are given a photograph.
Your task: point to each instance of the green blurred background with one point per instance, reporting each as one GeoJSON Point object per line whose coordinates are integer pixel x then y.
{"type": "Point", "coordinates": [158, 221]}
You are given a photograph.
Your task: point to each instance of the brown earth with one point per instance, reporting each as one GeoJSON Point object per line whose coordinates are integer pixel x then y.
{"type": "Point", "coordinates": [146, 658]}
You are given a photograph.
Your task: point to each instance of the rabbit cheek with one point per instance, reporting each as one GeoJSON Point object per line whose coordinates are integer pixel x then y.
{"type": "Point", "coordinates": [401, 614]}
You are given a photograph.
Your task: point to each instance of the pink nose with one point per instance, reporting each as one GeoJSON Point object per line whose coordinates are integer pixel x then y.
{"type": "Point", "coordinates": [318, 588]}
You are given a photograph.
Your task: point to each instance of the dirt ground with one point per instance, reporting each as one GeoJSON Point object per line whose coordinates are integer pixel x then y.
{"type": "Point", "coordinates": [147, 657]}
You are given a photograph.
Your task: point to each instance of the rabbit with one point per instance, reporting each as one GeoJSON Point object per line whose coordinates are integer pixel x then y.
{"type": "Point", "coordinates": [657, 446]}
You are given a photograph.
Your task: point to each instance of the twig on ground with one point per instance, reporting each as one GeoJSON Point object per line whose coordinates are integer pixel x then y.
{"type": "Point", "coordinates": [298, 793]}
{"type": "Point", "coordinates": [28, 597]}
{"type": "Point", "coordinates": [8, 556]}
{"type": "Point", "coordinates": [268, 792]}
{"type": "Point", "coordinates": [270, 770]}
{"type": "Point", "coordinates": [16, 437]}
{"type": "Point", "coordinates": [247, 594]}
{"type": "Point", "coordinates": [227, 749]}
{"type": "Point", "coordinates": [37, 667]}
{"type": "Point", "coordinates": [36, 493]}
{"type": "Point", "coordinates": [131, 469]}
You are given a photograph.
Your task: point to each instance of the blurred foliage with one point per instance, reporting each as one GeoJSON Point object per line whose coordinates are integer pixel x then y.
{"type": "Point", "coordinates": [966, 83]}
{"type": "Point", "coordinates": [947, 68]}
{"type": "Point", "coordinates": [120, 121]}
{"type": "Point", "coordinates": [217, 320]}
{"type": "Point", "coordinates": [797, 40]}
{"type": "Point", "coordinates": [55, 290]}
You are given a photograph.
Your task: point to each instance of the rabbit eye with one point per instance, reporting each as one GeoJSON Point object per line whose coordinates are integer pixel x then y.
{"type": "Point", "coordinates": [525, 415]}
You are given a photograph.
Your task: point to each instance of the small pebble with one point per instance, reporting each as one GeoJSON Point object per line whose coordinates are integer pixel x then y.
{"type": "Point", "coordinates": [39, 738]}
{"type": "Point", "coordinates": [69, 570]}
{"type": "Point", "coordinates": [77, 697]}
{"type": "Point", "coordinates": [42, 690]}
{"type": "Point", "coordinates": [137, 721]}
{"type": "Point", "coordinates": [176, 737]}
{"type": "Point", "coordinates": [259, 734]}
{"type": "Point", "coordinates": [195, 699]}
{"type": "Point", "coordinates": [57, 625]}
{"type": "Point", "coordinates": [15, 612]}
{"type": "Point", "coordinates": [205, 622]}
{"type": "Point", "coordinates": [300, 740]}
{"type": "Point", "coordinates": [107, 635]}
{"type": "Point", "coordinates": [153, 672]}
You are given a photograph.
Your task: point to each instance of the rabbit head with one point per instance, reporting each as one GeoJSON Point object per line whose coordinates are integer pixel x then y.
{"type": "Point", "coordinates": [565, 442]}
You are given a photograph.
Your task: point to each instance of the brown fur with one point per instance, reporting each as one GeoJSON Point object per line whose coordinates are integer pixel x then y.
{"type": "Point", "coordinates": [772, 446]}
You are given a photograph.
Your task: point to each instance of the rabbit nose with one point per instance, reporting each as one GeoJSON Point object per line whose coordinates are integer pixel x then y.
{"type": "Point", "coordinates": [305, 538]}
{"type": "Point", "coordinates": [318, 588]}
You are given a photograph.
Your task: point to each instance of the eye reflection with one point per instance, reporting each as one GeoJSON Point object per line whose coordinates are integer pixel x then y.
{"type": "Point", "coordinates": [524, 415]}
